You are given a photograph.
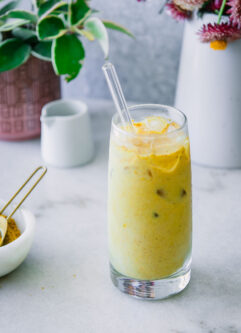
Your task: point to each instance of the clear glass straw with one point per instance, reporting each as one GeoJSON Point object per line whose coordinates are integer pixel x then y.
{"type": "Point", "coordinates": [117, 94]}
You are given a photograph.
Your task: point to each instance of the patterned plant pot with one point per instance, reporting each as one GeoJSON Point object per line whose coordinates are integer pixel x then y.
{"type": "Point", "coordinates": [23, 92]}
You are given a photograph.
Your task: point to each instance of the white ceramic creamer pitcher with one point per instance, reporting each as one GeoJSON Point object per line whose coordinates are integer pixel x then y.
{"type": "Point", "coordinates": [66, 138]}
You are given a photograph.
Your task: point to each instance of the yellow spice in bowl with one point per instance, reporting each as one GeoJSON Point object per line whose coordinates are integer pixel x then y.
{"type": "Point", "coordinates": [12, 232]}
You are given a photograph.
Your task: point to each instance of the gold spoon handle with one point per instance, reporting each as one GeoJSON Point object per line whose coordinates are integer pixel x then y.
{"type": "Point", "coordinates": [20, 189]}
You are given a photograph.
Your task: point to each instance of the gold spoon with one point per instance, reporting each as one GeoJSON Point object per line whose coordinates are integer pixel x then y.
{"type": "Point", "coordinates": [3, 219]}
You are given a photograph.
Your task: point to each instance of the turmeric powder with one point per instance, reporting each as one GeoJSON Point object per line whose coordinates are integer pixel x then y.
{"type": "Point", "coordinates": [12, 232]}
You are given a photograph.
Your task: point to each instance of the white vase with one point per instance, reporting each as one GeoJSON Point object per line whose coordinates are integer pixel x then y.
{"type": "Point", "coordinates": [209, 93]}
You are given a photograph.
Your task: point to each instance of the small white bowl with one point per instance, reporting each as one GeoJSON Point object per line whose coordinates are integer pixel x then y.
{"type": "Point", "coordinates": [14, 253]}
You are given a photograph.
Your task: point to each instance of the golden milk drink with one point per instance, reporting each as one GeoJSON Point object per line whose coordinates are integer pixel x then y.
{"type": "Point", "coordinates": [149, 203]}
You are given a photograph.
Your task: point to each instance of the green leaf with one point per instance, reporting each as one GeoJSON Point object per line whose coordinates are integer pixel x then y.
{"type": "Point", "coordinates": [8, 6]}
{"type": "Point", "coordinates": [67, 56]}
{"type": "Point", "coordinates": [50, 27]}
{"type": "Point", "coordinates": [79, 11]}
{"type": "Point", "coordinates": [95, 26]}
{"type": "Point", "coordinates": [87, 34]}
{"type": "Point", "coordinates": [13, 53]}
{"type": "Point", "coordinates": [45, 6]}
{"type": "Point", "coordinates": [20, 14]}
{"type": "Point", "coordinates": [62, 10]}
{"type": "Point", "coordinates": [13, 24]}
{"type": "Point", "coordinates": [55, 7]}
{"type": "Point", "coordinates": [115, 26]}
{"type": "Point", "coordinates": [38, 3]}
{"type": "Point", "coordinates": [43, 50]}
{"type": "Point", "coordinates": [23, 33]}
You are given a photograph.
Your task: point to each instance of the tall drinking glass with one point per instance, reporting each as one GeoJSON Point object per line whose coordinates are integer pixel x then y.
{"type": "Point", "coordinates": [150, 203]}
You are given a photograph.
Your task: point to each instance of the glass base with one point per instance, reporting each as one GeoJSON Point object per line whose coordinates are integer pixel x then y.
{"type": "Point", "coordinates": [152, 289]}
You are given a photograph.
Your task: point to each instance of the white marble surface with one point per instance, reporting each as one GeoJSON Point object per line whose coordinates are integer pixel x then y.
{"type": "Point", "coordinates": [64, 285]}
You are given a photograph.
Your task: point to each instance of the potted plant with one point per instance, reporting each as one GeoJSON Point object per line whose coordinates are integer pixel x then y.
{"type": "Point", "coordinates": [209, 80]}
{"type": "Point", "coordinates": [35, 48]}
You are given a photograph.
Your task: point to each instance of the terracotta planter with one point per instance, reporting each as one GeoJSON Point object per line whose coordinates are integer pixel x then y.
{"type": "Point", "coordinates": [23, 92]}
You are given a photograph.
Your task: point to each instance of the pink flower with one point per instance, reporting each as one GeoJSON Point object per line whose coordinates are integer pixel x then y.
{"type": "Point", "coordinates": [223, 32]}
{"type": "Point", "coordinates": [235, 11]}
{"type": "Point", "coordinates": [189, 5]}
{"type": "Point", "coordinates": [177, 12]}
{"type": "Point", "coordinates": [215, 5]}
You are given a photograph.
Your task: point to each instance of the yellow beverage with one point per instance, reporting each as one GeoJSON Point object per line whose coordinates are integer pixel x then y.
{"type": "Point", "coordinates": [149, 200]}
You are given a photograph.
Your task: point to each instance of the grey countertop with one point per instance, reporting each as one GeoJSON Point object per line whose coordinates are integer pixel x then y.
{"type": "Point", "coordinates": [64, 284]}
